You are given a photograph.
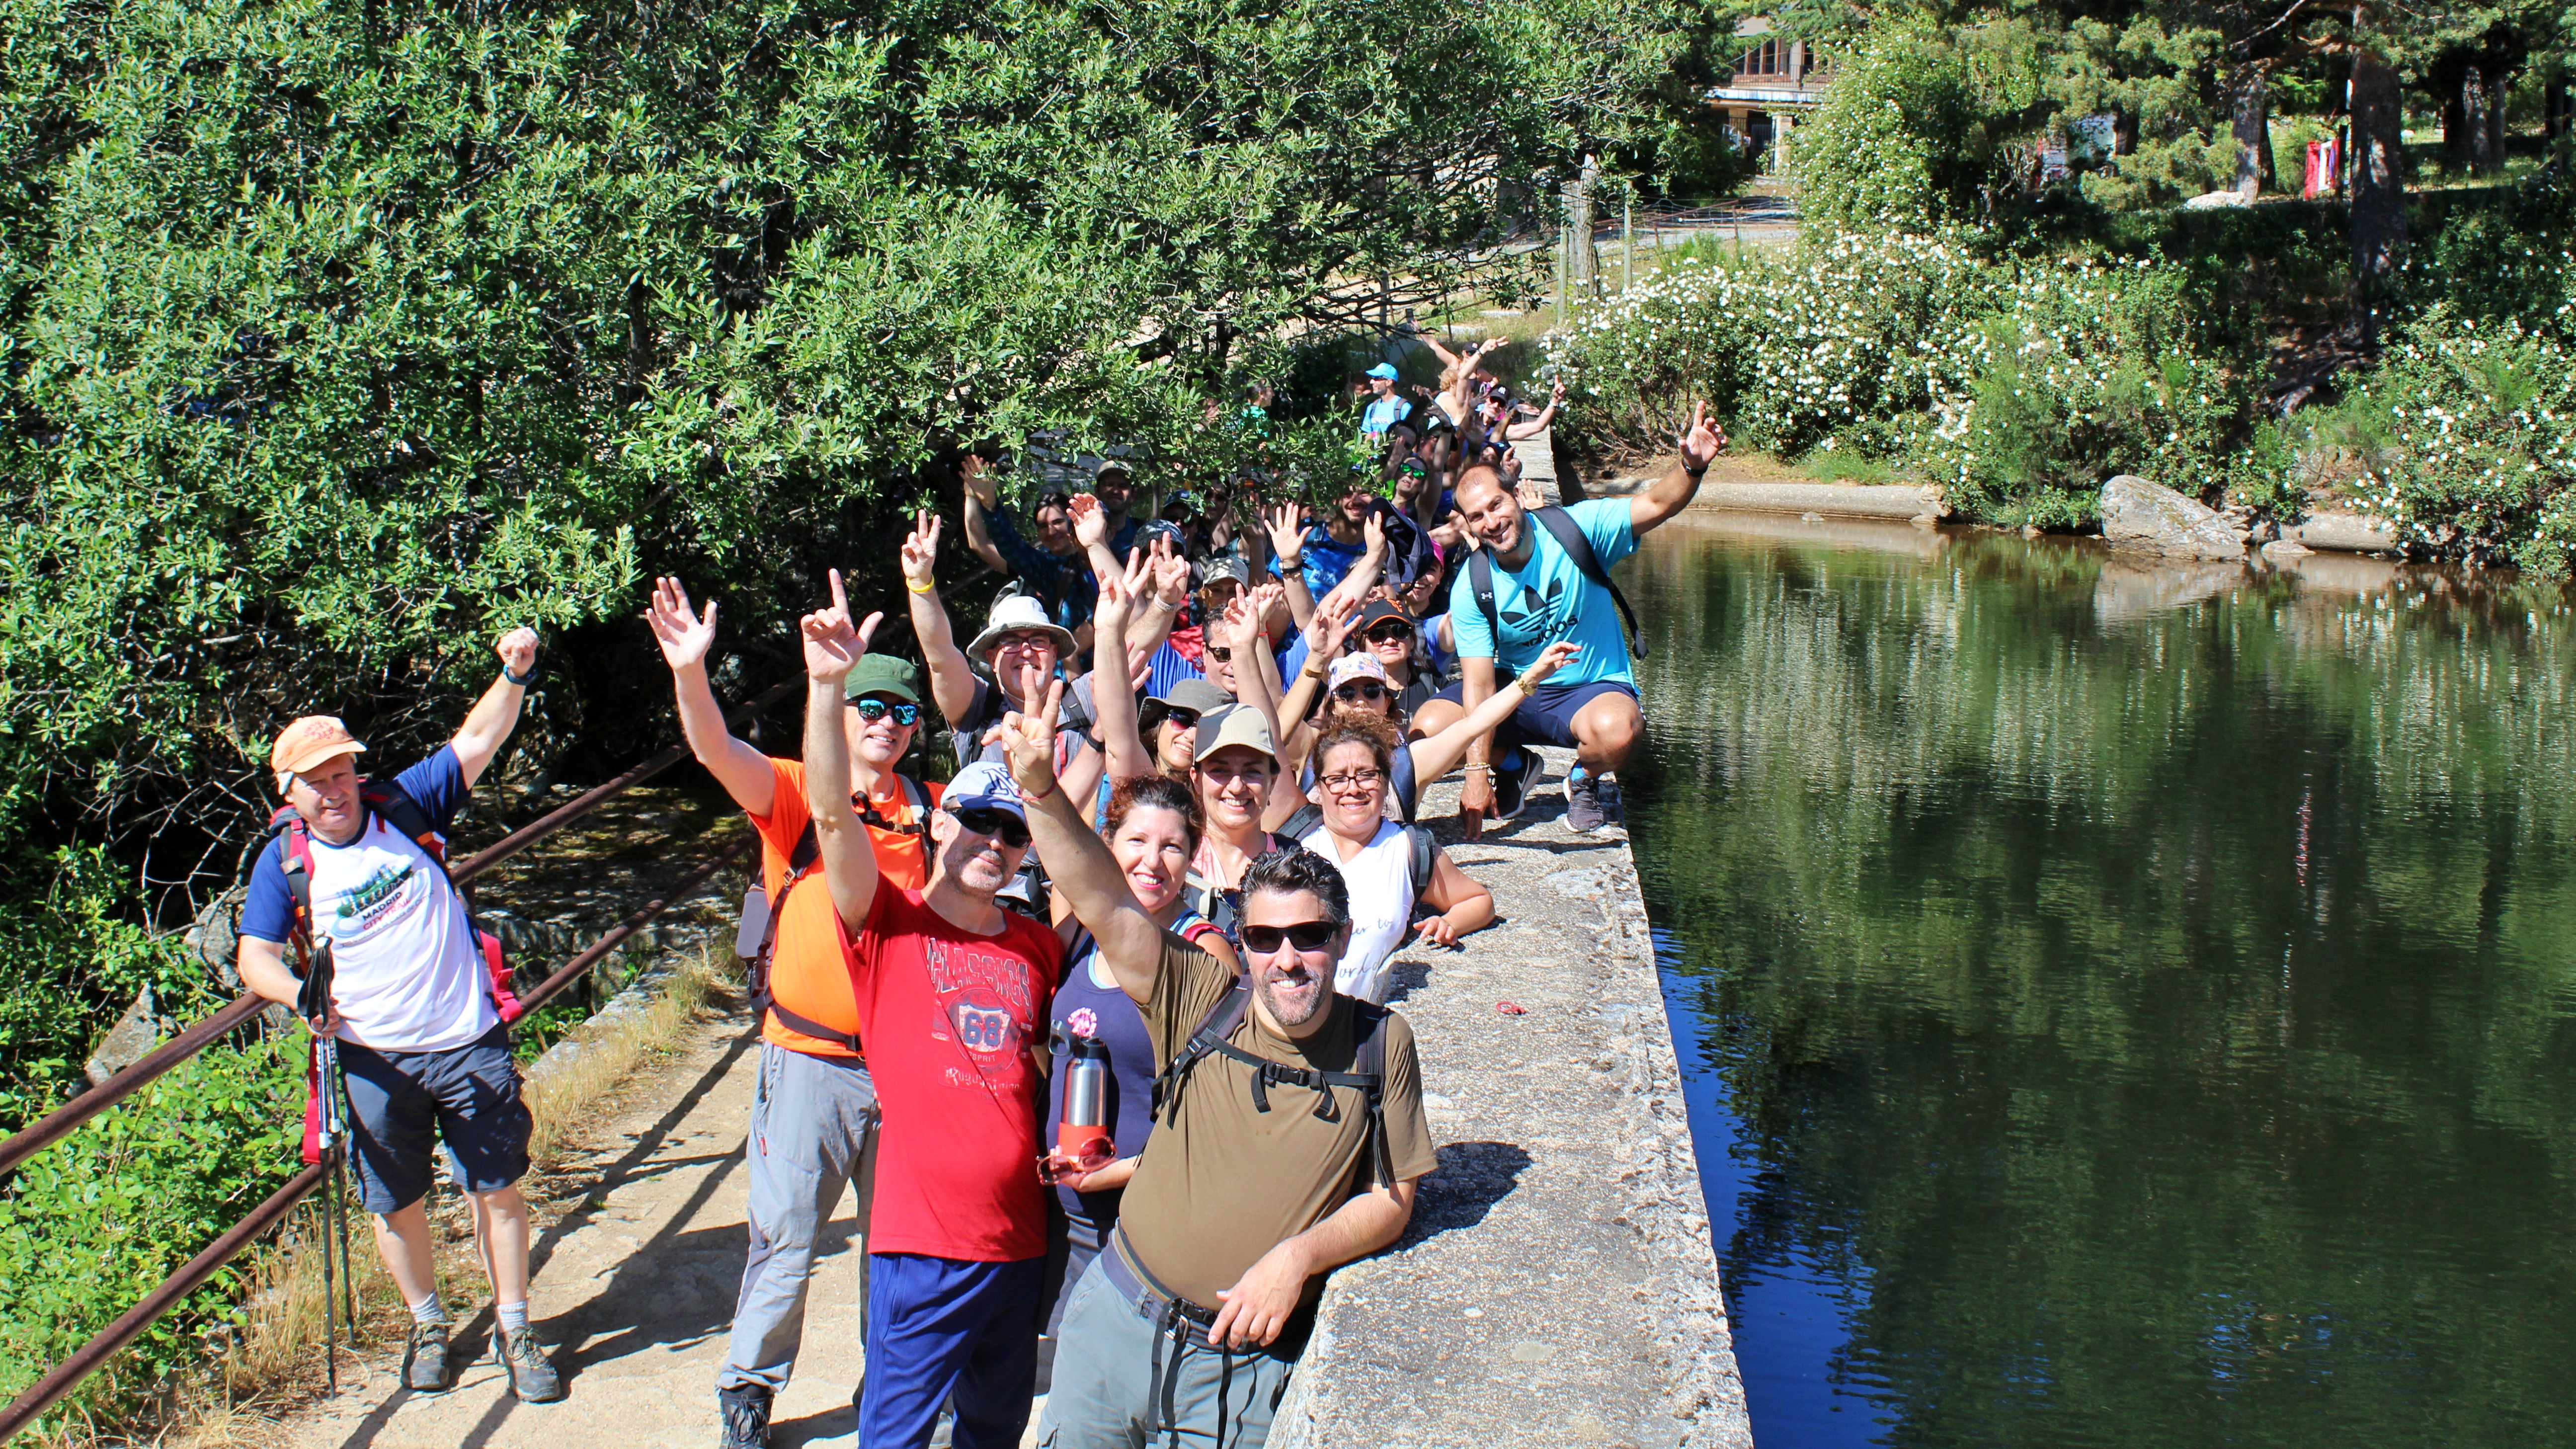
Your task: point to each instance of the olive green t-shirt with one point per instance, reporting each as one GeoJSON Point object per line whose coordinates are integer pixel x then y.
{"type": "Point", "coordinates": [1225, 1183]}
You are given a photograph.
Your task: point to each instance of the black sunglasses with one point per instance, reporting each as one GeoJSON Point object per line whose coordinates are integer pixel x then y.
{"type": "Point", "coordinates": [873, 710]}
{"type": "Point", "coordinates": [1368, 689]}
{"type": "Point", "coordinates": [1181, 719]}
{"type": "Point", "coordinates": [1305, 936]}
{"type": "Point", "coordinates": [1221, 653]}
{"type": "Point", "coordinates": [1393, 632]}
{"type": "Point", "coordinates": [1002, 825]}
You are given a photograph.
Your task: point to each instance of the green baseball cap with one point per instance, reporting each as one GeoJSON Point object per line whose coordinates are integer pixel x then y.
{"type": "Point", "coordinates": [884, 674]}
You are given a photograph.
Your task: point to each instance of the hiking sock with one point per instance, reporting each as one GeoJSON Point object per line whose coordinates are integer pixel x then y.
{"type": "Point", "coordinates": [1574, 776]}
{"type": "Point", "coordinates": [429, 1310]}
{"type": "Point", "coordinates": [1510, 760]}
{"type": "Point", "coordinates": [513, 1317]}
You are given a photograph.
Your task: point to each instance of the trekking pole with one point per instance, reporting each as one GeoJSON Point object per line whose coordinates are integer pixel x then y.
{"type": "Point", "coordinates": [326, 1052]}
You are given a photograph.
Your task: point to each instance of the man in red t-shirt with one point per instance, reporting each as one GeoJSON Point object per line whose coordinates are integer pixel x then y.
{"type": "Point", "coordinates": [951, 990]}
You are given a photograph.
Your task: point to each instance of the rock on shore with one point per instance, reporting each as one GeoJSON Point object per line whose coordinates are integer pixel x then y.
{"type": "Point", "coordinates": [2146, 517]}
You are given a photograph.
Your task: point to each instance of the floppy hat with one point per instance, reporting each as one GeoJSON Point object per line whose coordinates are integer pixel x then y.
{"type": "Point", "coordinates": [884, 674]}
{"type": "Point", "coordinates": [309, 742]}
{"type": "Point", "coordinates": [1357, 666]}
{"type": "Point", "coordinates": [1385, 370]}
{"type": "Point", "coordinates": [983, 786]}
{"type": "Point", "coordinates": [1013, 613]}
{"type": "Point", "coordinates": [1236, 724]}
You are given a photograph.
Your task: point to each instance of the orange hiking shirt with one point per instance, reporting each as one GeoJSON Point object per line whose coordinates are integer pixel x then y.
{"type": "Point", "coordinates": [807, 972]}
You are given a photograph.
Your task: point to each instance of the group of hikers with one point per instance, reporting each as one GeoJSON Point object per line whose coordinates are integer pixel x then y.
{"type": "Point", "coordinates": [1097, 1025]}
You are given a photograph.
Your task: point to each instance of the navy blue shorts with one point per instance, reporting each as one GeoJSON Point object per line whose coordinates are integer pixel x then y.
{"type": "Point", "coordinates": [1547, 717]}
{"type": "Point", "coordinates": [402, 1103]}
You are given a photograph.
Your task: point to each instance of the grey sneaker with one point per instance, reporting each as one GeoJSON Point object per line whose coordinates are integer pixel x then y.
{"type": "Point", "coordinates": [1612, 807]}
{"type": "Point", "coordinates": [1512, 787]}
{"type": "Point", "coordinates": [532, 1379]}
{"type": "Point", "coordinates": [746, 1417]}
{"type": "Point", "coordinates": [424, 1367]}
{"type": "Point", "coordinates": [1583, 804]}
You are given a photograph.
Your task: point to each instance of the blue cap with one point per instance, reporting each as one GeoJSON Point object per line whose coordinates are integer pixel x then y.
{"type": "Point", "coordinates": [1385, 370]}
{"type": "Point", "coordinates": [983, 786]}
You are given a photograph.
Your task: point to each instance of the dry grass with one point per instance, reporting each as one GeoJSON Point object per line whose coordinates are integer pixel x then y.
{"type": "Point", "coordinates": [271, 1365]}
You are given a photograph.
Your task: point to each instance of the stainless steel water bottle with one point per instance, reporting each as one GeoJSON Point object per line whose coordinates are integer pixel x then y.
{"type": "Point", "coordinates": [1083, 1135]}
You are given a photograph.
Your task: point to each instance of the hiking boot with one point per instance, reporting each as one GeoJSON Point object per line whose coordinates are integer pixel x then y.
{"type": "Point", "coordinates": [1583, 804]}
{"type": "Point", "coordinates": [746, 1417]}
{"type": "Point", "coordinates": [424, 1367]}
{"type": "Point", "coordinates": [532, 1379]}
{"type": "Point", "coordinates": [1512, 787]}
{"type": "Point", "coordinates": [1613, 808]}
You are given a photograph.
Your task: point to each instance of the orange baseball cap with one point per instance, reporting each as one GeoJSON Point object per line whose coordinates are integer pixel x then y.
{"type": "Point", "coordinates": [310, 741]}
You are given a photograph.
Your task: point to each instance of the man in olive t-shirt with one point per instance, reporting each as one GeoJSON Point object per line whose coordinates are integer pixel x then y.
{"type": "Point", "coordinates": [1194, 1314]}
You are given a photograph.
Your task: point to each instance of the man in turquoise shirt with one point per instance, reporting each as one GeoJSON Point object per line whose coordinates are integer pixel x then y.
{"type": "Point", "coordinates": [1541, 596]}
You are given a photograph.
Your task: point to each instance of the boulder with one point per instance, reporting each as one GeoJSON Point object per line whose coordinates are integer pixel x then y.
{"type": "Point", "coordinates": [2145, 517]}
{"type": "Point", "coordinates": [2213, 200]}
{"type": "Point", "coordinates": [135, 1034]}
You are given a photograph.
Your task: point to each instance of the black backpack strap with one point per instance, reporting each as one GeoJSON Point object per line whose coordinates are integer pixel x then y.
{"type": "Point", "coordinates": [1425, 859]}
{"type": "Point", "coordinates": [1306, 817]}
{"type": "Point", "coordinates": [1369, 1036]}
{"type": "Point", "coordinates": [1480, 582]}
{"type": "Point", "coordinates": [1213, 1029]}
{"type": "Point", "coordinates": [1569, 536]}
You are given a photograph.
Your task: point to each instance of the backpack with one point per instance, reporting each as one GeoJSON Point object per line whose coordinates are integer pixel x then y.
{"type": "Point", "coordinates": [1425, 853]}
{"type": "Point", "coordinates": [387, 800]}
{"type": "Point", "coordinates": [1569, 536]}
{"type": "Point", "coordinates": [800, 863]}
{"type": "Point", "coordinates": [1368, 1074]}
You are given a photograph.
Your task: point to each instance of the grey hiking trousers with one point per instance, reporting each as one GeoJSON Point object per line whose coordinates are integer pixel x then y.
{"type": "Point", "coordinates": [813, 1129]}
{"type": "Point", "coordinates": [1102, 1394]}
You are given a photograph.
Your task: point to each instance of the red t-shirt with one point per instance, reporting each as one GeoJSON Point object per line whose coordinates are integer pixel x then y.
{"type": "Point", "coordinates": [952, 1023]}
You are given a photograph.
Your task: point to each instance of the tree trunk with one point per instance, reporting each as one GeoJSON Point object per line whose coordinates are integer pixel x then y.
{"type": "Point", "coordinates": [2496, 119]}
{"type": "Point", "coordinates": [2473, 122]}
{"type": "Point", "coordinates": [2253, 124]}
{"type": "Point", "coordinates": [2558, 102]}
{"type": "Point", "coordinates": [2378, 189]}
{"type": "Point", "coordinates": [1584, 263]}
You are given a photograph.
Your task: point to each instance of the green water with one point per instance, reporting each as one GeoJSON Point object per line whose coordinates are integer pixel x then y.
{"type": "Point", "coordinates": [2116, 1017]}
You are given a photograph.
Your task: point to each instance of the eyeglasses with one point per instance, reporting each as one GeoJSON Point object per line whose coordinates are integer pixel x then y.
{"type": "Point", "coordinates": [1026, 642]}
{"type": "Point", "coordinates": [1305, 936]}
{"type": "Point", "coordinates": [1354, 780]}
{"type": "Point", "coordinates": [1397, 632]}
{"type": "Point", "coordinates": [1181, 719]}
{"type": "Point", "coordinates": [873, 710]}
{"type": "Point", "coordinates": [1222, 654]}
{"type": "Point", "coordinates": [1002, 825]}
{"type": "Point", "coordinates": [1365, 689]}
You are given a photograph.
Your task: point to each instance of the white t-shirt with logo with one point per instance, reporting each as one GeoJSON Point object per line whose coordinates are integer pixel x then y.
{"type": "Point", "coordinates": [1380, 878]}
{"type": "Point", "coordinates": [407, 974]}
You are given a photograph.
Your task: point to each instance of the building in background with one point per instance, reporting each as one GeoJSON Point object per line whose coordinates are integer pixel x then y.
{"type": "Point", "coordinates": [1777, 81]}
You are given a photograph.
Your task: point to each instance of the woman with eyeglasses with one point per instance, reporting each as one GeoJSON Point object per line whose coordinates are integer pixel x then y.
{"type": "Point", "coordinates": [1357, 687]}
{"type": "Point", "coordinates": [1396, 871]}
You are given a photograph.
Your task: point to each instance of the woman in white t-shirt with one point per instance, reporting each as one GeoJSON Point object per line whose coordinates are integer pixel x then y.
{"type": "Point", "coordinates": [1376, 858]}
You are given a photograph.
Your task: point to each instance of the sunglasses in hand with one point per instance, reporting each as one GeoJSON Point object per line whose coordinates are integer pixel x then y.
{"type": "Point", "coordinates": [1304, 935]}
{"type": "Point", "coordinates": [1002, 825]}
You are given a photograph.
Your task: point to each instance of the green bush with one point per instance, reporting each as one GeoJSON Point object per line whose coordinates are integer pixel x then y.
{"type": "Point", "coordinates": [90, 1225]}
{"type": "Point", "coordinates": [1896, 143]}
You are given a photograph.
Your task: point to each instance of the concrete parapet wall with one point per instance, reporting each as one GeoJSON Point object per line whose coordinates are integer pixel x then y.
{"type": "Point", "coordinates": [1558, 1285]}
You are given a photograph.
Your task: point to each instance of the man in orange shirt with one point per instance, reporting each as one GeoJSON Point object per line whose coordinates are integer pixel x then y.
{"type": "Point", "coordinates": [814, 1123]}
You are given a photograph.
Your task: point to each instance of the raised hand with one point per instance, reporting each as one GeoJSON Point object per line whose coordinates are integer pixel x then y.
{"type": "Point", "coordinates": [1028, 740]}
{"type": "Point", "coordinates": [518, 650]}
{"type": "Point", "coordinates": [921, 548]}
{"type": "Point", "coordinates": [1139, 574]}
{"type": "Point", "coordinates": [1090, 520]}
{"type": "Point", "coordinates": [1556, 393]}
{"type": "Point", "coordinates": [1171, 575]}
{"type": "Point", "coordinates": [1373, 532]}
{"type": "Point", "coordinates": [1704, 441]}
{"type": "Point", "coordinates": [1117, 597]}
{"type": "Point", "coordinates": [1330, 626]}
{"type": "Point", "coordinates": [980, 483]}
{"type": "Point", "coordinates": [832, 644]}
{"type": "Point", "coordinates": [1253, 630]}
{"type": "Point", "coordinates": [685, 637]}
{"type": "Point", "coordinates": [1287, 527]}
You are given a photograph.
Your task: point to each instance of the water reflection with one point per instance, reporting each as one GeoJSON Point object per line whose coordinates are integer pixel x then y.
{"type": "Point", "coordinates": [2130, 1005]}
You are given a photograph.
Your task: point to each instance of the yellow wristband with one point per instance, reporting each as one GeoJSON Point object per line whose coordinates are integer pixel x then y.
{"type": "Point", "coordinates": [927, 588]}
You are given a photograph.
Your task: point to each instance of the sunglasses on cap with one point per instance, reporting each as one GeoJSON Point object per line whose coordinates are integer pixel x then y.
{"type": "Point", "coordinates": [1305, 936]}
{"type": "Point", "coordinates": [1002, 825]}
{"type": "Point", "coordinates": [1393, 631]}
{"type": "Point", "coordinates": [1367, 689]}
{"type": "Point", "coordinates": [873, 710]}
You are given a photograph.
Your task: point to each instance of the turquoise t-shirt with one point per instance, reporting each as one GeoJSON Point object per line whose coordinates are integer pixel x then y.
{"type": "Point", "coordinates": [1548, 599]}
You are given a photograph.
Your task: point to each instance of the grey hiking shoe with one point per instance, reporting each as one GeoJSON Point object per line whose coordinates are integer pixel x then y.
{"type": "Point", "coordinates": [746, 1417]}
{"type": "Point", "coordinates": [424, 1367]}
{"type": "Point", "coordinates": [532, 1379]}
{"type": "Point", "coordinates": [1583, 804]}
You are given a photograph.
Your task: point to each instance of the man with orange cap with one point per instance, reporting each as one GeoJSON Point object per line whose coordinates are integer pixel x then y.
{"type": "Point", "coordinates": [420, 1037]}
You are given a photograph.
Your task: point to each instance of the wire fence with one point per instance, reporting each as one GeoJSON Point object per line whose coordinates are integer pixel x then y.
{"type": "Point", "coordinates": [67, 1375]}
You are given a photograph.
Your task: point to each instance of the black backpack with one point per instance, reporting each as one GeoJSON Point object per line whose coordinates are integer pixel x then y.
{"type": "Point", "coordinates": [1568, 536]}
{"type": "Point", "coordinates": [1368, 1074]}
